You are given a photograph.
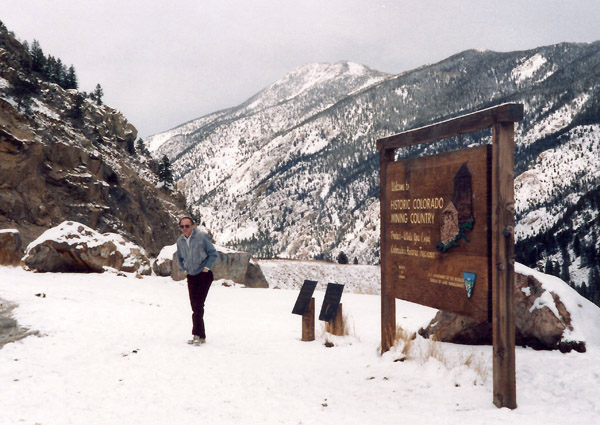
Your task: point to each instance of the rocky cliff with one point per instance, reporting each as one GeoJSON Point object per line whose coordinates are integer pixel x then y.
{"type": "Point", "coordinates": [65, 157]}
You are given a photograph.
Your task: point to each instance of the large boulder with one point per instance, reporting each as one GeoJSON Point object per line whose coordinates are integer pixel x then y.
{"type": "Point", "coordinates": [231, 265]}
{"type": "Point", "coordinates": [163, 264]}
{"type": "Point", "coordinates": [177, 273]}
{"type": "Point", "coordinates": [255, 277]}
{"type": "Point", "coordinates": [11, 249]}
{"type": "Point", "coordinates": [549, 315]}
{"type": "Point", "coordinates": [74, 247]}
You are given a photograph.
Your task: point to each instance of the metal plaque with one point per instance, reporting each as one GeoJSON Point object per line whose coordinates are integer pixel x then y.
{"type": "Point", "coordinates": [304, 297]}
{"type": "Point", "coordinates": [333, 295]}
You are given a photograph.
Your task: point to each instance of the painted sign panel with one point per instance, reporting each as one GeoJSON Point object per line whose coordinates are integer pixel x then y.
{"type": "Point", "coordinates": [331, 302]}
{"type": "Point", "coordinates": [304, 297]}
{"type": "Point", "coordinates": [437, 242]}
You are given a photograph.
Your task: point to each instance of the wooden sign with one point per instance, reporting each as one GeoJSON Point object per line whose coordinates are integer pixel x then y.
{"type": "Point", "coordinates": [333, 295]}
{"type": "Point", "coordinates": [437, 238]}
{"type": "Point", "coordinates": [304, 297]}
{"type": "Point", "coordinates": [447, 231]}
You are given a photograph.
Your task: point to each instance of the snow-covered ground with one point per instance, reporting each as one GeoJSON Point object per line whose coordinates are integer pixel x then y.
{"type": "Point", "coordinates": [112, 350]}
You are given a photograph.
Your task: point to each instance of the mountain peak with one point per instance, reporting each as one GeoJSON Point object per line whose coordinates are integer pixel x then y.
{"type": "Point", "coordinates": [317, 77]}
{"type": "Point", "coordinates": [313, 86]}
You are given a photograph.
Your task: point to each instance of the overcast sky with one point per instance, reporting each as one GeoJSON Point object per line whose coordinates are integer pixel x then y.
{"type": "Point", "coordinates": [163, 63]}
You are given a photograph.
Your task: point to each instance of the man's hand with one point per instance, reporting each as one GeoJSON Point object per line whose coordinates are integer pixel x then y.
{"type": "Point", "coordinates": [206, 270]}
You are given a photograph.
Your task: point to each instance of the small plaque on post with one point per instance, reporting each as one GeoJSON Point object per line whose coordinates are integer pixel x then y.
{"type": "Point", "coordinates": [333, 295]}
{"type": "Point", "coordinates": [304, 297]}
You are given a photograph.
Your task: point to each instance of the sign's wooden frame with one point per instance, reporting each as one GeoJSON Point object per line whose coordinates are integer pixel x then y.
{"type": "Point", "coordinates": [501, 119]}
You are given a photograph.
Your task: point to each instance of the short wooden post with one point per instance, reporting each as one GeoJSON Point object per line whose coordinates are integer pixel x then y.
{"type": "Point", "coordinates": [503, 276]}
{"type": "Point", "coordinates": [308, 322]}
{"type": "Point", "coordinates": [336, 327]}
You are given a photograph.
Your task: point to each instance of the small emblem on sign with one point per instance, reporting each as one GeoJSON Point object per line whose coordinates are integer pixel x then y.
{"type": "Point", "coordinates": [469, 279]}
{"type": "Point", "coordinates": [457, 216]}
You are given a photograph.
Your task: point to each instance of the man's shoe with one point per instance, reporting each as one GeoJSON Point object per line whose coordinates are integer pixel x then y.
{"type": "Point", "coordinates": [196, 340]}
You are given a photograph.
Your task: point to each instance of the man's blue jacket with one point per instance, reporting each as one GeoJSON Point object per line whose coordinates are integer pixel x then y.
{"type": "Point", "coordinates": [199, 254]}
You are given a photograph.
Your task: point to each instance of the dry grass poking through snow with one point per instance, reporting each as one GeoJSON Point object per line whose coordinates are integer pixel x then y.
{"type": "Point", "coordinates": [423, 350]}
{"type": "Point", "coordinates": [329, 335]}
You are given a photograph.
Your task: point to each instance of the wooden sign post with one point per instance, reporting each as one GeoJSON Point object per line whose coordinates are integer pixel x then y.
{"type": "Point", "coordinates": [336, 326]}
{"type": "Point", "coordinates": [308, 322]}
{"type": "Point", "coordinates": [305, 307]}
{"type": "Point", "coordinates": [331, 310]}
{"type": "Point", "coordinates": [447, 231]}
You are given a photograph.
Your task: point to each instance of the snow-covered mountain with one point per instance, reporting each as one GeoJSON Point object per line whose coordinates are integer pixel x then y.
{"type": "Point", "coordinates": [284, 104]}
{"type": "Point", "coordinates": [294, 172]}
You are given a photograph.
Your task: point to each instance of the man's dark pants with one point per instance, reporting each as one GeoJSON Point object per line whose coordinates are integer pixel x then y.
{"type": "Point", "coordinates": [198, 286]}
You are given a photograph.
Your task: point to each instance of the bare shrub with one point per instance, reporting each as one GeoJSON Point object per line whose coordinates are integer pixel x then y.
{"type": "Point", "coordinates": [337, 329]}
{"type": "Point", "coordinates": [477, 364]}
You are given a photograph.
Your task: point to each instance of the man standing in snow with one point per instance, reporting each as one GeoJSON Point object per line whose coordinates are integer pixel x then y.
{"type": "Point", "coordinates": [196, 255]}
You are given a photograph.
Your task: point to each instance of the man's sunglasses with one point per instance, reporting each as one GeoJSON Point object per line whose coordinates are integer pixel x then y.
{"type": "Point", "coordinates": [185, 226]}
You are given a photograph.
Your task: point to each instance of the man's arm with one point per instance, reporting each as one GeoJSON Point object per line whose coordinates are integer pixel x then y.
{"type": "Point", "coordinates": [211, 253]}
{"type": "Point", "coordinates": [180, 259]}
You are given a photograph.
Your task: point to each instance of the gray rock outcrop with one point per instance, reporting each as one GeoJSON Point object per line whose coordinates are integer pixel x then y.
{"type": "Point", "coordinates": [255, 277]}
{"type": "Point", "coordinates": [11, 247]}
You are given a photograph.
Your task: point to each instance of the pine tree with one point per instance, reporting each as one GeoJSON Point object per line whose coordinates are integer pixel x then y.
{"type": "Point", "coordinates": [77, 111]}
{"type": "Point", "coordinates": [60, 73]}
{"type": "Point", "coordinates": [165, 175]}
{"type": "Point", "coordinates": [549, 268]}
{"type": "Point", "coordinates": [38, 59]}
{"type": "Point", "coordinates": [595, 285]}
{"type": "Point", "coordinates": [130, 146]}
{"type": "Point", "coordinates": [141, 148]}
{"type": "Point", "coordinates": [564, 271]}
{"type": "Point", "coordinates": [22, 90]}
{"type": "Point", "coordinates": [97, 94]}
{"type": "Point", "coordinates": [577, 246]}
{"type": "Point", "coordinates": [71, 79]}
{"type": "Point", "coordinates": [342, 258]}
{"type": "Point", "coordinates": [50, 72]}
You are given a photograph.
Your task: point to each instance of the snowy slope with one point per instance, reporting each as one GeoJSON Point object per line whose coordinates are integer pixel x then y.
{"type": "Point", "coordinates": [300, 93]}
{"type": "Point", "coordinates": [554, 173]}
{"type": "Point", "coordinates": [289, 274]}
{"type": "Point", "coordinates": [112, 351]}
